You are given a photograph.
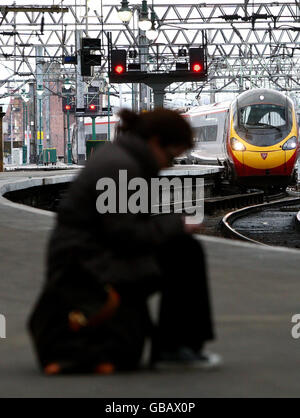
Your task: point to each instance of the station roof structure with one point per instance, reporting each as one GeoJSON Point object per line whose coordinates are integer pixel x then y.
{"type": "Point", "coordinates": [249, 45]}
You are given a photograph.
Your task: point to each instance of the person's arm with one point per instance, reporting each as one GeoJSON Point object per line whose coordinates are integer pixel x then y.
{"type": "Point", "coordinates": [127, 232]}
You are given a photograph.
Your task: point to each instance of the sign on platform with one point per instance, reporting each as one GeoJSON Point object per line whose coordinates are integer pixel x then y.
{"type": "Point", "coordinates": [17, 156]}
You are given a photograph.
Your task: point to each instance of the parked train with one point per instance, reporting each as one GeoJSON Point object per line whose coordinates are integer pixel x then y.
{"type": "Point", "coordinates": [255, 137]}
{"type": "Point", "coordinates": [102, 131]}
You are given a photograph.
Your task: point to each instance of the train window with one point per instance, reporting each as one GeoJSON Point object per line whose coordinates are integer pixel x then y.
{"type": "Point", "coordinates": [264, 125]}
{"type": "Point", "coordinates": [99, 137]}
{"type": "Point", "coordinates": [263, 116]}
{"type": "Point", "coordinates": [207, 133]}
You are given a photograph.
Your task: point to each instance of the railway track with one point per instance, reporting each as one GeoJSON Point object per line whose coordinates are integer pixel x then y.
{"type": "Point", "coordinates": [217, 204]}
{"type": "Point", "coordinates": [265, 224]}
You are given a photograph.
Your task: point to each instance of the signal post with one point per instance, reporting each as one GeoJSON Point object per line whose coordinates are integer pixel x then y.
{"type": "Point", "coordinates": [120, 72]}
{"type": "Point", "coordinates": [69, 145]}
{"type": "Point", "coordinates": [92, 108]}
{"type": "Point", "coordinates": [1, 141]}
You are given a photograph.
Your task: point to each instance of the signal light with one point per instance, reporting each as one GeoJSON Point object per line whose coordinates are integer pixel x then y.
{"type": "Point", "coordinates": [118, 61]}
{"type": "Point", "coordinates": [67, 107]}
{"type": "Point", "coordinates": [92, 107]}
{"type": "Point", "coordinates": [197, 68]}
{"type": "Point", "coordinates": [119, 69]}
{"type": "Point", "coordinates": [197, 60]}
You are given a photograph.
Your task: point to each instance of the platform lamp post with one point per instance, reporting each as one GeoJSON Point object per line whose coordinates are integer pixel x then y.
{"type": "Point", "coordinates": [67, 87]}
{"type": "Point", "coordinates": [25, 98]}
{"type": "Point", "coordinates": [94, 135]}
{"type": "Point", "coordinates": [39, 92]}
{"type": "Point", "coordinates": [125, 13]}
{"type": "Point", "coordinates": [152, 33]}
{"type": "Point", "coordinates": [145, 24]}
{"type": "Point", "coordinates": [108, 111]}
{"type": "Point", "coordinates": [148, 33]}
{"type": "Point", "coordinates": [2, 114]}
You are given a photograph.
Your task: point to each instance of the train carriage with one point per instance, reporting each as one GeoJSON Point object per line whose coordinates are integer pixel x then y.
{"type": "Point", "coordinates": [255, 137]}
{"type": "Point", "coordinates": [101, 128]}
{"type": "Point", "coordinates": [210, 128]}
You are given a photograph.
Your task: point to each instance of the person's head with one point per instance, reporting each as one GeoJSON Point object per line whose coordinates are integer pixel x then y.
{"type": "Point", "coordinates": [167, 133]}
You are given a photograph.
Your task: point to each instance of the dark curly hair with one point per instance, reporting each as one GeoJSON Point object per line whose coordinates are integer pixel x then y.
{"type": "Point", "coordinates": [168, 125]}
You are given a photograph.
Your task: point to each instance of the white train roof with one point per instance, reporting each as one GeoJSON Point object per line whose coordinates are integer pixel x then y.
{"type": "Point", "coordinates": [103, 119]}
{"type": "Point", "coordinates": [215, 107]}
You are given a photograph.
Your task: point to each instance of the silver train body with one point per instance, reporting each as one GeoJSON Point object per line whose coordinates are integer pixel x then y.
{"type": "Point", "coordinates": [210, 128]}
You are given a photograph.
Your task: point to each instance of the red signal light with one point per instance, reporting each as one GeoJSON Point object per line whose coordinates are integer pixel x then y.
{"type": "Point", "coordinates": [67, 107]}
{"type": "Point", "coordinates": [197, 67]}
{"type": "Point", "coordinates": [119, 69]}
{"type": "Point", "coordinates": [92, 107]}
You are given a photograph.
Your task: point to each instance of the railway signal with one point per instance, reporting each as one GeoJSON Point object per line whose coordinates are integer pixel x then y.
{"type": "Point", "coordinates": [192, 69]}
{"type": "Point", "coordinates": [93, 111]}
{"type": "Point", "coordinates": [68, 104]}
{"type": "Point", "coordinates": [197, 60]}
{"type": "Point", "coordinates": [118, 61]}
{"type": "Point", "coordinates": [89, 55]}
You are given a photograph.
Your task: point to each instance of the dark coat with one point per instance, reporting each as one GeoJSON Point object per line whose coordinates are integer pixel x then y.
{"type": "Point", "coordinates": [88, 250]}
{"type": "Point", "coordinates": [112, 248]}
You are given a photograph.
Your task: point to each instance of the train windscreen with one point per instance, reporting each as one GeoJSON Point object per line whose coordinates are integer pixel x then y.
{"type": "Point", "coordinates": [264, 124]}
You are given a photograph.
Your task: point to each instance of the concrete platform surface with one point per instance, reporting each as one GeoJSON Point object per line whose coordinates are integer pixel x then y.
{"type": "Point", "coordinates": [255, 293]}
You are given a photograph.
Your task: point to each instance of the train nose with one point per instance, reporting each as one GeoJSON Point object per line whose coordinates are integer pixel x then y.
{"type": "Point", "coordinates": [269, 162]}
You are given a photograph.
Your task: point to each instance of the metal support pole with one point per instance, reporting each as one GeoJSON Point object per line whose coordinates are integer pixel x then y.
{"type": "Point", "coordinates": [69, 145]}
{"type": "Point", "coordinates": [32, 124]}
{"type": "Point", "coordinates": [11, 134]}
{"type": "Point", "coordinates": [132, 97]}
{"type": "Point", "coordinates": [94, 128]}
{"type": "Point", "coordinates": [144, 53]}
{"type": "Point", "coordinates": [108, 112]}
{"type": "Point", "coordinates": [81, 147]}
{"type": "Point", "coordinates": [40, 156]}
{"type": "Point", "coordinates": [24, 148]}
{"type": "Point", "coordinates": [159, 94]}
{"type": "Point", "coordinates": [1, 141]}
{"type": "Point", "coordinates": [39, 84]}
{"type": "Point", "coordinates": [47, 115]}
{"type": "Point", "coordinates": [27, 134]}
{"type": "Point", "coordinates": [86, 18]}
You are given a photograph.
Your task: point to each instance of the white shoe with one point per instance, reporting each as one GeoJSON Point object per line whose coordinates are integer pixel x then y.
{"type": "Point", "coordinates": [186, 358]}
{"type": "Point", "coordinates": [210, 361]}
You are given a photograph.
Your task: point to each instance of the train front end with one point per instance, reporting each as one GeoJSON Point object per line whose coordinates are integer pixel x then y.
{"type": "Point", "coordinates": [263, 144]}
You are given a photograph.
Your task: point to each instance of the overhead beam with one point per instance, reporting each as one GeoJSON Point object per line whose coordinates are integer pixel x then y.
{"type": "Point", "coordinates": [43, 9]}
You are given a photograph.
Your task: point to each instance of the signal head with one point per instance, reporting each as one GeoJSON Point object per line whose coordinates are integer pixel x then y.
{"type": "Point", "coordinates": [67, 107]}
{"type": "Point", "coordinates": [118, 61]}
{"type": "Point", "coordinates": [197, 67]}
{"type": "Point", "coordinates": [119, 69]}
{"type": "Point", "coordinates": [197, 61]}
{"type": "Point", "coordinates": [92, 107]}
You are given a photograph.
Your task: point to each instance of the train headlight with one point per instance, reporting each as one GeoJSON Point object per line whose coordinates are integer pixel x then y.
{"type": "Point", "coordinates": [237, 145]}
{"type": "Point", "coordinates": [290, 144]}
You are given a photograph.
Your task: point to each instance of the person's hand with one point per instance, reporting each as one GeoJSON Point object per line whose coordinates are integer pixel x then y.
{"type": "Point", "coordinates": [193, 228]}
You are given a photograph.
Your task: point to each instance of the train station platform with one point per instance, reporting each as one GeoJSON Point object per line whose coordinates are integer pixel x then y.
{"type": "Point", "coordinates": [255, 292]}
{"type": "Point", "coordinates": [192, 170]}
